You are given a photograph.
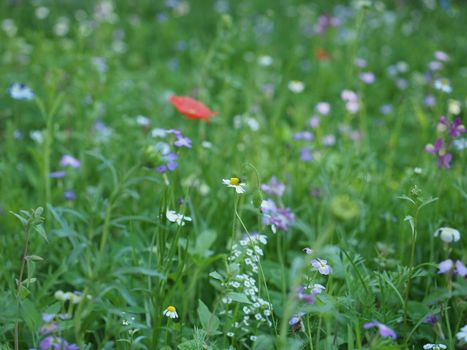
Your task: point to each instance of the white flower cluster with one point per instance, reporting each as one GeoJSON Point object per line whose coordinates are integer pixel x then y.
{"type": "Point", "coordinates": [245, 258]}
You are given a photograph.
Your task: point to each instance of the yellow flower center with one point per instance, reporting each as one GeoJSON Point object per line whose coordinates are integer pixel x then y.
{"type": "Point", "coordinates": [171, 308]}
{"type": "Point", "coordinates": [235, 181]}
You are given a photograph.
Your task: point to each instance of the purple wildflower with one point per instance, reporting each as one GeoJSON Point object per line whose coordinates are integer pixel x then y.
{"type": "Point", "coordinates": [430, 100]}
{"type": "Point", "coordinates": [329, 140]}
{"type": "Point", "coordinates": [307, 298]}
{"type": "Point", "coordinates": [57, 174]}
{"type": "Point", "coordinates": [434, 149]}
{"type": "Point", "coordinates": [172, 166]}
{"type": "Point", "coordinates": [47, 317]}
{"type": "Point", "coordinates": [367, 77]}
{"type": "Point", "coordinates": [441, 56]}
{"type": "Point", "coordinates": [322, 266]}
{"type": "Point", "coordinates": [49, 328]}
{"type": "Point", "coordinates": [360, 62]}
{"type": "Point", "coordinates": [278, 218]}
{"type": "Point", "coordinates": [325, 22]}
{"type": "Point", "coordinates": [314, 121]}
{"type": "Point", "coordinates": [317, 288]}
{"type": "Point", "coordinates": [295, 319]}
{"type": "Point", "coordinates": [323, 108]}
{"type": "Point", "coordinates": [431, 319]}
{"type": "Point", "coordinates": [384, 330]}
{"type": "Point", "coordinates": [441, 146]}
{"type": "Point", "coordinates": [70, 161]}
{"type": "Point", "coordinates": [275, 187]}
{"type": "Point", "coordinates": [456, 129]}
{"type": "Point", "coordinates": [435, 65]}
{"type": "Point", "coordinates": [170, 163]}
{"type": "Point", "coordinates": [445, 266]}
{"type": "Point", "coordinates": [183, 142]}
{"type": "Point", "coordinates": [171, 160]}
{"type": "Point", "coordinates": [69, 195]}
{"type": "Point", "coordinates": [176, 132]}
{"type": "Point", "coordinates": [444, 161]}
{"type": "Point", "coordinates": [305, 154]}
{"type": "Point", "coordinates": [56, 343]}
{"type": "Point", "coordinates": [349, 95]}
{"type": "Point", "coordinates": [296, 322]}
{"type": "Point", "coordinates": [161, 169]}
{"type": "Point", "coordinates": [303, 135]}
{"type": "Point", "coordinates": [460, 270]}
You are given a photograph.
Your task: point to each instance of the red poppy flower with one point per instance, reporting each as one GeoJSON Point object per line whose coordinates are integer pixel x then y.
{"type": "Point", "coordinates": [191, 108]}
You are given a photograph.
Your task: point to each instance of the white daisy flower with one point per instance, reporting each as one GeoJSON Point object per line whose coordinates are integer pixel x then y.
{"type": "Point", "coordinates": [170, 312]}
{"type": "Point", "coordinates": [234, 182]}
{"type": "Point", "coordinates": [444, 85]}
{"type": "Point", "coordinates": [448, 234]}
{"type": "Point", "coordinates": [173, 216]}
{"type": "Point", "coordinates": [296, 86]}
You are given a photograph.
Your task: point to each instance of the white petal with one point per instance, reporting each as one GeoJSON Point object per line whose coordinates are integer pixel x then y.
{"type": "Point", "coordinates": [239, 189]}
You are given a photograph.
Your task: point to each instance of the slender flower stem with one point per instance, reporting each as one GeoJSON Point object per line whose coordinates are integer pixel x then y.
{"type": "Point", "coordinates": [234, 224]}
{"type": "Point", "coordinates": [20, 282]}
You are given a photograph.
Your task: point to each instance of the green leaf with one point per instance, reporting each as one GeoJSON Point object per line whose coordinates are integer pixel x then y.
{"type": "Point", "coordinates": [53, 309]}
{"type": "Point", "coordinates": [411, 222]}
{"type": "Point", "coordinates": [426, 202]}
{"type": "Point", "coordinates": [30, 314]}
{"type": "Point", "coordinates": [239, 297]}
{"type": "Point", "coordinates": [34, 258]}
{"type": "Point", "coordinates": [24, 292]}
{"type": "Point", "coordinates": [40, 230]}
{"type": "Point", "coordinates": [135, 270]}
{"type": "Point", "coordinates": [23, 220]}
{"type": "Point", "coordinates": [203, 242]}
{"type": "Point", "coordinates": [406, 198]}
{"type": "Point", "coordinates": [264, 342]}
{"type": "Point", "coordinates": [417, 310]}
{"type": "Point", "coordinates": [209, 321]}
{"type": "Point", "coordinates": [216, 275]}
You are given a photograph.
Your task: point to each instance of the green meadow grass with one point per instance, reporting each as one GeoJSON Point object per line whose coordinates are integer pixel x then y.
{"type": "Point", "coordinates": [359, 203]}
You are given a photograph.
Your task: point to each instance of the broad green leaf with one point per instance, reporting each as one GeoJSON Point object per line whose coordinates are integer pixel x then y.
{"type": "Point", "coordinates": [239, 297]}
{"type": "Point", "coordinates": [23, 220]}
{"type": "Point", "coordinates": [209, 321]}
{"type": "Point", "coordinates": [216, 275]}
{"type": "Point", "coordinates": [40, 230]}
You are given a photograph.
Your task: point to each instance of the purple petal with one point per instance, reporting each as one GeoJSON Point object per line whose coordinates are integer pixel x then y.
{"type": "Point", "coordinates": [161, 169]}
{"type": "Point", "coordinates": [370, 324]}
{"type": "Point", "coordinates": [70, 161]}
{"type": "Point", "coordinates": [385, 331]}
{"type": "Point", "coordinates": [57, 174]}
{"type": "Point", "coordinates": [47, 317]}
{"type": "Point", "coordinates": [172, 166]}
{"type": "Point", "coordinates": [445, 266]}
{"type": "Point", "coordinates": [461, 270]}
{"type": "Point", "coordinates": [444, 161]}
